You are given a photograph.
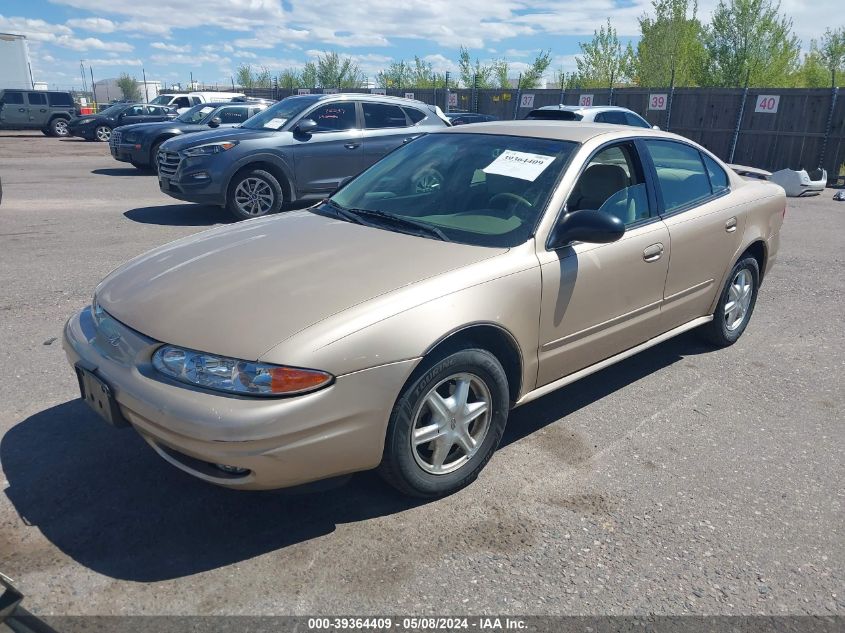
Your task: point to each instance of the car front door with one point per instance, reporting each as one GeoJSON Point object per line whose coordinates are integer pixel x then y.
{"type": "Point", "coordinates": [39, 115]}
{"type": "Point", "coordinates": [385, 129]}
{"type": "Point", "coordinates": [155, 113]}
{"type": "Point", "coordinates": [14, 112]}
{"type": "Point", "coordinates": [705, 227]}
{"type": "Point", "coordinates": [331, 152]}
{"type": "Point", "coordinates": [132, 114]}
{"type": "Point", "coordinates": [601, 299]}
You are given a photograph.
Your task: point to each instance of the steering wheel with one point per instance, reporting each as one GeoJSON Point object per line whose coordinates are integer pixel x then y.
{"type": "Point", "coordinates": [507, 195]}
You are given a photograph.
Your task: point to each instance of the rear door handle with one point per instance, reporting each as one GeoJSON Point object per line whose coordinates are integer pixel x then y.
{"type": "Point", "coordinates": [730, 225]}
{"type": "Point", "coordinates": [653, 252]}
{"type": "Point", "coordinates": [21, 109]}
{"type": "Point", "coordinates": [351, 145]}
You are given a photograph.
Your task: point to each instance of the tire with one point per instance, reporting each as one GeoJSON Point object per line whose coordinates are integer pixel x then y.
{"type": "Point", "coordinates": [58, 127]}
{"type": "Point", "coordinates": [139, 166]}
{"type": "Point", "coordinates": [102, 133]}
{"type": "Point", "coordinates": [736, 304]}
{"type": "Point", "coordinates": [254, 193]}
{"type": "Point", "coordinates": [46, 132]}
{"type": "Point", "coordinates": [154, 156]}
{"type": "Point", "coordinates": [411, 466]}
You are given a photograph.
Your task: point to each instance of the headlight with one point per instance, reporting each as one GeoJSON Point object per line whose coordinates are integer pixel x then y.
{"type": "Point", "coordinates": [83, 121]}
{"type": "Point", "coordinates": [129, 138]}
{"type": "Point", "coordinates": [236, 376]}
{"type": "Point", "coordinates": [210, 148]}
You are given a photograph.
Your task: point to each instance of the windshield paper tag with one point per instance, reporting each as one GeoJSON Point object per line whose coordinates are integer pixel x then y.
{"type": "Point", "coordinates": [519, 165]}
{"type": "Point", "coordinates": [206, 110]}
{"type": "Point", "coordinates": [275, 124]}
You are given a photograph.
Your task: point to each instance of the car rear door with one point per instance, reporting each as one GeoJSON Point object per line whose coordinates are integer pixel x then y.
{"type": "Point", "coordinates": [386, 127]}
{"type": "Point", "coordinates": [331, 152]}
{"type": "Point", "coordinates": [601, 299]}
{"type": "Point", "coordinates": [705, 227]}
{"type": "Point", "coordinates": [39, 114]}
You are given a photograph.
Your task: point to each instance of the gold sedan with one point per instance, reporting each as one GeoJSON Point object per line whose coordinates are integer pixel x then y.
{"type": "Point", "coordinates": [395, 324]}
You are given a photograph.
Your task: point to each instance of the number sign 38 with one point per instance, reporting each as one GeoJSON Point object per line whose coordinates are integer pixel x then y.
{"type": "Point", "coordinates": [767, 103]}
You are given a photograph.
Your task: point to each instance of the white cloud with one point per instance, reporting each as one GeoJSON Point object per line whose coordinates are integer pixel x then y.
{"type": "Point", "coordinates": [91, 43]}
{"type": "Point", "coordinates": [95, 25]}
{"type": "Point", "coordinates": [173, 48]}
{"type": "Point", "coordinates": [35, 30]}
{"type": "Point", "coordinates": [114, 61]}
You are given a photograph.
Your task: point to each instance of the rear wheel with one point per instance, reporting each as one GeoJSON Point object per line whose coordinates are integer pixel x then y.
{"type": "Point", "coordinates": [47, 132]}
{"type": "Point", "coordinates": [59, 128]}
{"type": "Point", "coordinates": [736, 304]}
{"type": "Point", "coordinates": [102, 133]}
{"type": "Point", "coordinates": [446, 424]}
{"type": "Point", "coordinates": [254, 193]}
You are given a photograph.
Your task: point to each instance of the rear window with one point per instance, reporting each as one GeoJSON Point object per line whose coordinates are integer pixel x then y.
{"type": "Point", "coordinates": [636, 121]}
{"type": "Point", "coordinates": [381, 115]}
{"type": "Point", "coordinates": [13, 98]}
{"type": "Point", "coordinates": [415, 115]}
{"type": "Point", "coordinates": [36, 98]}
{"type": "Point", "coordinates": [553, 115]}
{"type": "Point", "coordinates": [683, 179]}
{"type": "Point", "coordinates": [60, 99]}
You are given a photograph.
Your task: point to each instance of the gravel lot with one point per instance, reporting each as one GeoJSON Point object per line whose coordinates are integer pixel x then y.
{"type": "Point", "coordinates": [683, 480]}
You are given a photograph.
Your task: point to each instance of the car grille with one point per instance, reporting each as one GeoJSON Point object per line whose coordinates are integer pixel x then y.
{"type": "Point", "coordinates": [115, 139]}
{"type": "Point", "coordinates": [168, 163]}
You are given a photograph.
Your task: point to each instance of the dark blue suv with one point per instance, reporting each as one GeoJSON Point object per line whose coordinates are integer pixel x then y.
{"type": "Point", "coordinates": [301, 148]}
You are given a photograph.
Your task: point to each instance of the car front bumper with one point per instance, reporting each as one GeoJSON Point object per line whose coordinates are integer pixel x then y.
{"type": "Point", "coordinates": [281, 442]}
{"type": "Point", "coordinates": [129, 153]}
{"type": "Point", "coordinates": [194, 179]}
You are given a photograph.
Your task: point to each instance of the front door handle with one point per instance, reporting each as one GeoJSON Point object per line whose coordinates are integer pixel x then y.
{"type": "Point", "coordinates": [408, 140]}
{"type": "Point", "coordinates": [351, 145]}
{"type": "Point", "coordinates": [653, 252]}
{"type": "Point", "coordinates": [730, 225]}
{"type": "Point", "coordinates": [21, 109]}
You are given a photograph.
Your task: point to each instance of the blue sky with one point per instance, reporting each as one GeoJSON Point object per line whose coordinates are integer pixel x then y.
{"type": "Point", "coordinates": [170, 39]}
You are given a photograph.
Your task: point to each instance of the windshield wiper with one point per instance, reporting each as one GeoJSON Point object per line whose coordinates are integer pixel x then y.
{"type": "Point", "coordinates": [401, 220]}
{"type": "Point", "coordinates": [343, 212]}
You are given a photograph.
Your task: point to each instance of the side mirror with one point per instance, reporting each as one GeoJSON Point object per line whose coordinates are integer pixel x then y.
{"type": "Point", "coordinates": [655, 127]}
{"type": "Point", "coordinates": [586, 225]}
{"type": "Point", "coordinates": [215, 122]}
{"type": "Point", "coordinates": [306, 126]}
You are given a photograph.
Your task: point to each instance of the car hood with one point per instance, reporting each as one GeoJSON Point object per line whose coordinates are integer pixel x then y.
{"type": "Point", "coordinates": [156, 126]}
{"type": "Point", "coordinates": [240, 290]}
{"type": "Point", "coordinates": [219, 134]}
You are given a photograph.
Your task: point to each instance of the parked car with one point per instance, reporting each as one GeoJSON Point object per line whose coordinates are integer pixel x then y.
{"type": "Point", "coordinates": [459, 117]}
{"type": "Point", "coordinates": [138, 144]}
{"type": "Point", "coordinates": [394, 327]}
{"type": "Point", "coordinates": [589, 114]}
{"type": "Point", "coordinates": [182, 101]}
{"type": "Point", "coordinates": [298, 149]}
{"type": "Point", "coordinates": [98, 127]}
{"type": "Point", "coordinates": [45, 110]}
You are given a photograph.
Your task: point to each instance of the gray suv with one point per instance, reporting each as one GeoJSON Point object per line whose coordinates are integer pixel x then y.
{"type": "Point", "coordinates": [45, 110]}
{"type": "Point", "coordinates": [301, 148]}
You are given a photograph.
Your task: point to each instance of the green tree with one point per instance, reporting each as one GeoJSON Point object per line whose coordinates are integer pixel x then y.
{"type": "Point", "coordinates": [603, 61]}
{"type": "Point", "coordinates": [129, 87]}
{"type": "Point", "coordinates": [397, 75]}
{"type": "Point", "coordinates": [424, 76]}
{"type": "Point", "coordinates": [670, 46]}
{"type": "Point", "coordinates": [309, 75]}
{"type": "Point", "coordinates": [263, 78]}
{"type": "Point", "coordinates": [245, 76]}
{"type": "Point", "coordinates": [532, 76]}
{"type": "Point", "coordinates": [474, 74]}
{"type": "Point", "coordinates": [749, 39]}
{"type": "Point", "coordinates": [289, 79]}
{"type": "Point", "coordinates": [337, 71]}
{"type": "Point", "coordinates": [832, 52]}
{"type": "Point", "coordinates": [501, 72]}
{"type": "Point", "coordinates": [812, 73]}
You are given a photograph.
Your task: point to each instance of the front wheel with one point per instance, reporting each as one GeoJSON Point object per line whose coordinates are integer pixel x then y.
{"type": "Point", "coordinates": [736, 303]}
{"type": "Point", "coordinates": [102, 133]}
{"type": "Point", "coordinates": [254, 193]}
{"type": "Point", "coordinates": [446, 424]}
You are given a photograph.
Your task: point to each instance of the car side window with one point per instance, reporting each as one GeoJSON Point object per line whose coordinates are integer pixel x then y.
{"type": "Point", "coordinates": [233, 115]}
{"type": "Point", "coordinates": [616, 118]}
{"type": "Point", "coordinates": [415, 115]}
{"type": "Point", "coordinates": [335, 117]}
{"type": "Point", "coordinates": [136, 111]}
{"type": "Point", "coordinates": [60, 99]}
{"type": "Point", "coordinates": [718, 177]}
{"type": "Point", "coordinates": [382, 115]}
{"type": "Point", "coordinates": [681, 174]}
{"type": "Point", "coordinates": [635, 120]}
{"type": "Point", "coordinates": [613, 181]}
{"type": "Point", "coordinates": [36, 98]}
{"type": "Point", "coordinates": [13, 98]}
{"type": "Point", "coordinates": [195, 100]}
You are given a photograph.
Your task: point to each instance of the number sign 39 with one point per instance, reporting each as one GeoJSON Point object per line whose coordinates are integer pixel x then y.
{"type": "Point", "coordinates": [657, 101]}
{"type": "Point", "coordinates": [767, 103]}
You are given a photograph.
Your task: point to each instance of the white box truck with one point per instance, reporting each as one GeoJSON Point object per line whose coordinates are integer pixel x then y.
{"type": "Point", "coordinates": [14, 62]}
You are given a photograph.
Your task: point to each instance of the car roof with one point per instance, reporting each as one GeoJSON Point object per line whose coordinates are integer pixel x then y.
{"type": "Point", "coordinates": [367, 96]}
{"type": "Point", "coordinates": [577, 108]}
{"type": "Point", "coordinates": [576, 131]}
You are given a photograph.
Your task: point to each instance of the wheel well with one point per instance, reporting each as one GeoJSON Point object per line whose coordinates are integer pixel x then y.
{"type": "Point", "coordinates": [758, 251]}
{"type": "Point", "coordinates": [158, 141]}
{"type": "Point", "coordinates": [58, 116]}
{"type": "Point", "coordinates": [273, 169]}
{"type": "Point", "coordinates": [492, 338]}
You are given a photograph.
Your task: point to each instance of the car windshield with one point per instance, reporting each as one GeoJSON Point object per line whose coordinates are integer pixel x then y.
{"type": "Point", "coordinates": [197, 114]}
{"type": "Point", "coordinates": [162, 100]}
{"type": "Point", "coordinates": [274, 117]}
{"type": "Point", "coordinates": [480, 189]}
{"type": "Point", "coordinates": [113, 109]}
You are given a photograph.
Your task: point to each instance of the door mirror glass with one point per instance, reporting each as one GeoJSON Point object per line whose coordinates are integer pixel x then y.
{"type": "Point", "coordinates": [586, 225]}
{"type": "Point", "coordinates": [215, 122]}
{"type": "Point", "coordinates": [306, 126]}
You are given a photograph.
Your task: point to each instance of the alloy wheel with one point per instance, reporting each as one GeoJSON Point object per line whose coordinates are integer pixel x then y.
{"type": "Point", "coordinates": [254, 196]}
{"type": "Point", "coordinates": [60, 127]}
{"type": "Point", "coordinates": [103, 133]}
{"type": "Point", "coordinates": [739, 299]}
{"type": "Point", "coordinates": [450, 423]}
